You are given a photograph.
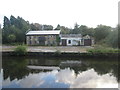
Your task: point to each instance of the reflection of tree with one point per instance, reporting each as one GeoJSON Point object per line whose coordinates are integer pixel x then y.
{"type": "Point", "coordinates": [104, 67]}
{"type": "Point", "coordinates": [38, 71]}
{"type": "Point", "coordinates": [15, 68]}
{"type": "Point", "coordinates": [115, 72]}
{"type": "Point", "coordinates": [101, 67]}
{"type": "Point", "coordinates": [77, 67]}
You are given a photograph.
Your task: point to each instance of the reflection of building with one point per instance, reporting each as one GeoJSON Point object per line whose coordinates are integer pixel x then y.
{"type": "Point", "coordinates": [43, 37]}
{"type": "Point", "coordinates": [76, 40]}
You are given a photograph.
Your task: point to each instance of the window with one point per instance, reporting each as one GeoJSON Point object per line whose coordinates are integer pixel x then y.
{"type": "Point", "coordinates": [69, 41]}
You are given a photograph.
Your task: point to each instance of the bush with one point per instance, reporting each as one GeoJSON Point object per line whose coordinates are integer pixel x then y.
{"type": "Point", "coordinates": [21, 50]}
{"type": "Point", "coordinates": [57, 52]}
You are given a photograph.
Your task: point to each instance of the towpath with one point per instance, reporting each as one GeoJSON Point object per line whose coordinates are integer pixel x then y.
{"type": "Point", "coordinates": [80, 49]}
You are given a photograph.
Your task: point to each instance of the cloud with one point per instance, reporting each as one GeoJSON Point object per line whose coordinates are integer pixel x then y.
{"type": "Point", "coordinates": [64, 78]}
{"type": "Point", "coordinates": [87, 79]}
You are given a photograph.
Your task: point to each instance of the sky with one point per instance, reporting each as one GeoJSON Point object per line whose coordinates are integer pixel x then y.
{"type": "Point", "coordinates": [64, 12]}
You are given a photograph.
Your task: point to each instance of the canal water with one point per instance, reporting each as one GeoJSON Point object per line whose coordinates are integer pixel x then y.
{"type": "Point", "coordinates": [38, 72]}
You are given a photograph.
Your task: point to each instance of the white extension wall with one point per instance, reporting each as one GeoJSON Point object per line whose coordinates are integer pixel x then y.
{"type": "Point", "coordinates": [74, 41]}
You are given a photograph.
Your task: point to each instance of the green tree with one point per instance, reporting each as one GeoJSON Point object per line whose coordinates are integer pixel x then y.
{"type": "Point", "coordinates": [36, 26]}
{"type": "Point", "coordinates": [76, 29]}
{"type": "Point", "coordinates": [15, 26]}
{"type": "Point", "coordinates": [101, 32]}
{"type": "Point", "coordinates": [65, 30]}
{"type": "Point", "coordinates": [13, 20]}
{"type": "Point", "coordinates": [83, 30]}
{"type": "Point", "coordinates": [5, 30]}
{"type": "Point", "coordinates": [118, 28]}
{"type": "Point", "coordinates": [6, 23]}
{"type": "Point", "coordinates": [91, 32]}
{"type": "Point", "coordinates": [47, 27]}
{"type": "Point", "coordinates": [11, 38]}
{"type": "Point", "coordinates": [58, 27]}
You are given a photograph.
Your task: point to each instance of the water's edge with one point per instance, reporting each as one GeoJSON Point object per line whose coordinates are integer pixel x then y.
{"type": "Point", "coordinates": [63, 54]}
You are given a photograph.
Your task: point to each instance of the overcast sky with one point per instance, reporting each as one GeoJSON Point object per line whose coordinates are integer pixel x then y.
{"type": "Point", "coordinates": [63, 12]}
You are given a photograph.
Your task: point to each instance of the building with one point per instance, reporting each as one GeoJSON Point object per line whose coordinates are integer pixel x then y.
{"type": "Point", "coordinates": [45, 37]}
{"type": "Point", "coordinates": [75, 40]}
{"type": "Point", "coordinates": [71, 39]}
{"type": "Point", "coordinates": [88, 40]}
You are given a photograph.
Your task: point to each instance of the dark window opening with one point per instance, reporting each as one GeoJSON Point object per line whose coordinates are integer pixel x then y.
{"type": "Point", "coordinates": [69, 41]}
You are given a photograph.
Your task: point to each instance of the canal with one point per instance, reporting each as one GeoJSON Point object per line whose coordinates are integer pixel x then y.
{"type": "Point", "coordinates": [39, 72]}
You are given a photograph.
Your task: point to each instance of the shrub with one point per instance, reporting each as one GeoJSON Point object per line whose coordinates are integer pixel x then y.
{"type": "Point", "coordinates": [57, 52]}
{"type": "Point", "coordinates": [21, 50]}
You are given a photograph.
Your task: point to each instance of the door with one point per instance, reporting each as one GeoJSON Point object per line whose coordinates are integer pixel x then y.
{"type": "Point", "coordinates": [87, 42]}
{"type": "Point", "coordinates": [64, 42]}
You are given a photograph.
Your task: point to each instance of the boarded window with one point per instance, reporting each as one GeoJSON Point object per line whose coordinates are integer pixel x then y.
{"type": "Point", "coordinates": [41, 38]}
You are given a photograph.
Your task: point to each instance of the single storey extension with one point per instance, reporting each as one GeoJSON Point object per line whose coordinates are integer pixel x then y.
{"type": "Point", "coordinates": [71, 39]}
{"type": "Point", "coordinates": [76, 40]}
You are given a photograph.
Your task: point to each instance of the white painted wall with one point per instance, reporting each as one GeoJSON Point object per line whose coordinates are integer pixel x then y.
{"type": "Point", "coordinates": [74, 41]}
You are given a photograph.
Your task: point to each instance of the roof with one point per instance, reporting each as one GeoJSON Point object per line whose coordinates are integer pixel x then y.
{"type": "Point", "coordinates": [44, 32]}
{"type": "Point", "coordinates": [71, 35]}
{"type": "Point", "coordinates": [86, 37]}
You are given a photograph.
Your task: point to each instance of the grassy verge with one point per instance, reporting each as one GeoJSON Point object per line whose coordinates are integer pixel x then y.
{"type": "Point", "coordinates": [100, 49]}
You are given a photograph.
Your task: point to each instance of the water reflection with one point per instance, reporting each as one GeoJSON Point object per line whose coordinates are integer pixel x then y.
{"type": "Point", "coordinates": [89, 74]}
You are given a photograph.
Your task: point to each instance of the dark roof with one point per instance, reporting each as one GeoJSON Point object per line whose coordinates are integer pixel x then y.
{"type": "Point", "coordinates": [71, 35]}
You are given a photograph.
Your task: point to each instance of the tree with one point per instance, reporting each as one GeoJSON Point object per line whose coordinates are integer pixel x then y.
{"type": "Point", "coordinates": [58, 27]}
{"type": "Point", "coordinates": [5, 30]}
{"type": "Point", "coordinates": [76, 29]}
{"type": "Point", "coordinates": [11, 38]}
{"type": "Point", "coordinates": [0, 35]}
{"type": "Point", "coordinates": [6, 23]}
{"type": "Point", "coordinates": [36, 26]}
{"type": "Point", "coordinates": [83, 30]}
{"type": "Point", "coordinates": [15, 26]}
{"type": "Point", "coordinates": [47, 27]}
{"type": "Point", "coordinates": [101, 32]}
{"type": "Point", "coordinates": [118, 28]}
{"type": "Point", "coordinates": [13, 20]}
{"type": "Point", "coordinates": [91, 32]}
{"type": "Point", "coordinates": [112, 39]}
{"type": "Point", "coordinates": [65, 30]}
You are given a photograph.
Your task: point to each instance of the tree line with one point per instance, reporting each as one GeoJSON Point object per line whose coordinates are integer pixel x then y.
{"type": "Point", "coordinates": [14, 30]}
